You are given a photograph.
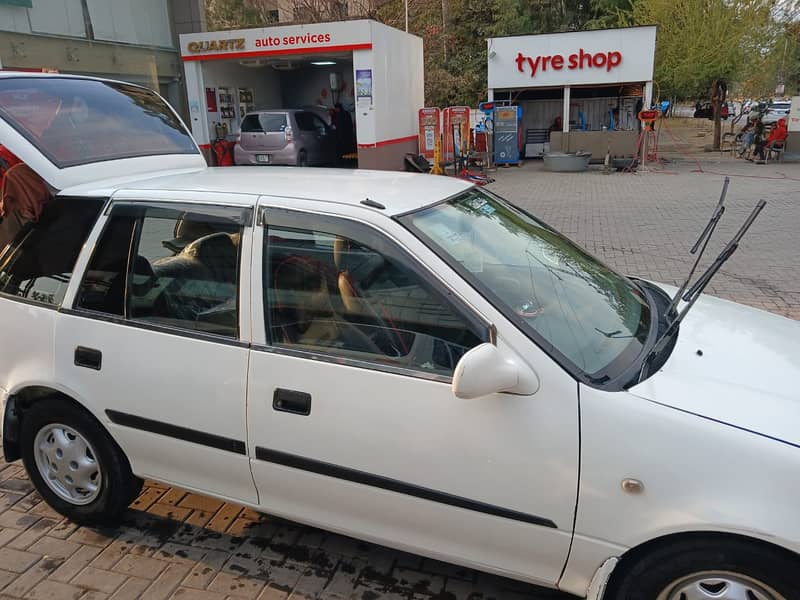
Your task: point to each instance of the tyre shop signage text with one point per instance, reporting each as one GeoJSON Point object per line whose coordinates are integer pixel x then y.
{"type": "Point", "coordinates": [578, 60]}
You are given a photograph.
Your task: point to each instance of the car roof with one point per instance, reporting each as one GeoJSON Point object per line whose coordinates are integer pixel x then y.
{"type": "Point", "coordinates": [397, 191]}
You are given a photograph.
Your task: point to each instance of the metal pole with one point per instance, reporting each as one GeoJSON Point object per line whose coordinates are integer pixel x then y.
{"type": "Point", "coordinates": [406, 6]}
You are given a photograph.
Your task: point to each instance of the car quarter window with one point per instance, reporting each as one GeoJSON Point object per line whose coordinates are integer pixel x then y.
{"type": "Point", "coordinates": [348, 297]}
{"type": "Point", "coordinates": [175, 267]}
{"type": "Point", "coordinates": [36, 262]}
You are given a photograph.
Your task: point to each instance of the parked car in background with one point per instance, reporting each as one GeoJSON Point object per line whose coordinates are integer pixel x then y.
{"type": "Point", "coordinates": [406, 359]}
{"type": "Point", "coordinates": [706, 111]}
{"type": "Point", "coordinates": [296, 137]}
{"type": "Point", "coordinates": [775, 111]}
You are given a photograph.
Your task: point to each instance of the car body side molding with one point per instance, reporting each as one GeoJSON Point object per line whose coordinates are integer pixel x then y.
{"type": "Point", "coordinates": [330, 470]}
{"type": "Point", "coordinates": [174, 431]}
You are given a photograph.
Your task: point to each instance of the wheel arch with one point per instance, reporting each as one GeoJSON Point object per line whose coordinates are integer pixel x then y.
{"type": "Point", "coordinates": [633, 555]}
{"type": "Point", "coordinates": [22, 398]}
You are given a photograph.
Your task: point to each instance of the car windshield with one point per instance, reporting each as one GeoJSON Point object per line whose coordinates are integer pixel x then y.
{"type": "Point", "coordinates": [593, 321]}
{"type": "Point", "coordinates": [76, 121]}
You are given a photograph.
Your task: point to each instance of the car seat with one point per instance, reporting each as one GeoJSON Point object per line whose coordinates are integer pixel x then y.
{"type": "Point", "coordinates": [356, 270]}
{"type": "Point", "coordinates": [303, 313]}
{"type": "Point", "coordinates": [218, 254]}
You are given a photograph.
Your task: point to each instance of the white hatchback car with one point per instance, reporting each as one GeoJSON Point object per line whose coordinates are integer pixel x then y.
{"type": "Point", "coordinates": [402, 358]}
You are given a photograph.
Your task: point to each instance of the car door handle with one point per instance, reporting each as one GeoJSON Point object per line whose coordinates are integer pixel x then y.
{"type": "Point", "coordinates": [298, 403]}
{"type": "Point", "coordinates": [88, 358]}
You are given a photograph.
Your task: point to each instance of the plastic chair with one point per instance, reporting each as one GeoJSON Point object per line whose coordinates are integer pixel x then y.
{"type": "Point", "coordinates": [775, 150]}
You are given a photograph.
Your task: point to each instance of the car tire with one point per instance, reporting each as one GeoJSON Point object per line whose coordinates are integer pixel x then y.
{"type": "Point", "coordinates": [88, 478]}
{"type": "Point", "coordinates": [302, 159]}
{"type": "Point", "coordinates": [723, 569]}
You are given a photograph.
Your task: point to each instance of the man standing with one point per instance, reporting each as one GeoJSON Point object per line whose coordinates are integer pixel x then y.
{"type": "Point", "coordinates": [345, 135]}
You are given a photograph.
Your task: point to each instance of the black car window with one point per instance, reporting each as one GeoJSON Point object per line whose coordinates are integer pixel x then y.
{"type": "Point", "coordinates": [38, 261]}
{"type": "Point", "coordinates": [319, 125]}
{"type": "Point", "coordinates": [173, 268]}
{"type": "Point", "coordinates": [331, 294]}
{"type": "Point", "coordinates": [273, 122]}
{"type": "Point", "coordinates": [305, 121]}
{"type": "Point", "coordinates": [251, 124]}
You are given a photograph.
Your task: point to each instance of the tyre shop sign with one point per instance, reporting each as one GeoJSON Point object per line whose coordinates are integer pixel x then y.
{"type": "Point", "coordinates": [579, 60]}
{"type": "Point", "coordinates": [597, 57]}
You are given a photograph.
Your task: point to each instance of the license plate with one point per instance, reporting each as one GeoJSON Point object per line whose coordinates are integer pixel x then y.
{"type": "Point", "coordinates": [262, 158]}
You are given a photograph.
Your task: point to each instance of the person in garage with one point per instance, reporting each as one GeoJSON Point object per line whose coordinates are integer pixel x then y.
{"type": "Point", "coordinates": [345, 134]}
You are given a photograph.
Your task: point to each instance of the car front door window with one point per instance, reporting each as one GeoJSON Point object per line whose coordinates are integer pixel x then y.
{"type": "Point", "coordinates": [331, 294]}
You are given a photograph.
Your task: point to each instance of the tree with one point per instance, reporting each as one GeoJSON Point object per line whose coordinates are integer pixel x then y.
{"type": "Point", "coordinates": [235, 14]}
{"type": "Point", "coordinates": [703, 45]}
{"type": "Point", "coordinates": [780, 65]}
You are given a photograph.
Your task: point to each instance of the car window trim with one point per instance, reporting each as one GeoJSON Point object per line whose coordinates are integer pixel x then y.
{"type": "Point", "coordinates": [28, 301]}
{"type": "Point", "coordinates": [157, 327]}
{"type": "Point", "coordinates": [239, 214]}
{"type": "Point", "coordinates": [246, 216]}
{"type": "Point", "coordinates": [337, 359]}
{"type": "Point", "coordinates": [310, 221]}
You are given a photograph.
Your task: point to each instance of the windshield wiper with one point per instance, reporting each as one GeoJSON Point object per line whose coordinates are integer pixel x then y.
{"type": "Point", "coordinates": [705, 236]}
{"type": "Point", "coordinates": [691, 295]}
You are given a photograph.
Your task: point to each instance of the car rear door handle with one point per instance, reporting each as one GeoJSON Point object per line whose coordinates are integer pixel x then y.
{"type": "Point", "coordinates": [291, 401]}
{"type": "Point", "coordinates": [88, 358]}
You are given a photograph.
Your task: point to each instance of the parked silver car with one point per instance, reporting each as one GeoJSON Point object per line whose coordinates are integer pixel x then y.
{"type": "Point", "coordinates": [285, 137]}
{"type": "Point", "coordinates": [777, 110]}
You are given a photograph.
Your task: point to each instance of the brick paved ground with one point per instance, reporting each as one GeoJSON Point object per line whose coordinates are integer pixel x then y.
{"type": "Point", "coordinates": [179, 545]}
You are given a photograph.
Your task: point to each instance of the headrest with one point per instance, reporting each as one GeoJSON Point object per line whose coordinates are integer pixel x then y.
{"type": "Point", "coordinates": [210, 246]}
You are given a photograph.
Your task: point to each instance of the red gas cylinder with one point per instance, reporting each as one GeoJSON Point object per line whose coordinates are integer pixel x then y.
{"type": "Point", "coordinates": [223, 152]}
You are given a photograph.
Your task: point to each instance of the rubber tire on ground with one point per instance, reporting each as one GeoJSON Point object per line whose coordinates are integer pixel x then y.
{"type": "Point", "coordinates": [650, 575]}
{"type": "Point", "coordinates": [119, 486]}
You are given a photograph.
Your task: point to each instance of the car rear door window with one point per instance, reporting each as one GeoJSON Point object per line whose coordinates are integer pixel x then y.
{"type": "Point", "coordinates": [251, 124]}
{"type": "Point", "coordinates": [38, 262]}
{"type": "Point", "coordinates": [331, 294]}
{"type": "Point", "coordinates": [173, 268]}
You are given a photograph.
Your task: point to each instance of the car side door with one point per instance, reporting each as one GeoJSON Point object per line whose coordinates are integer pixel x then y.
{"type": "Point", "coordinates": [308, 134]}
{"type": "Point", "coordinates": [154, 339]}
{"type": "Point", "coordinates": [352, 420]}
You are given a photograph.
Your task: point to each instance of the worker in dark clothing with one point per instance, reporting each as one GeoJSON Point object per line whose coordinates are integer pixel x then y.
{"type": "Point", "coordinates": [345, 134]}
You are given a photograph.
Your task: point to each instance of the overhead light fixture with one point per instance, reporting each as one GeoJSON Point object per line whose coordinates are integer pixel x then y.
{"type": "Point", "coordinates": [323, 63]}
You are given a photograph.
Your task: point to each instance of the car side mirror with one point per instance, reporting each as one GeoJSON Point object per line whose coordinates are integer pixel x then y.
{"type": "Point", "coordinates": [486, 370]}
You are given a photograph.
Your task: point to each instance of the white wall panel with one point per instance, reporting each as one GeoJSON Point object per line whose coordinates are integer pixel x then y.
{"type": "Point", "coordinates": [143, 22]}
{"type": "Point", "coordinates": [398, 82]}
{"type": "Point", "coordinates": [58, 17]}
{"type": "Point", "coordinates": [14, 18]}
